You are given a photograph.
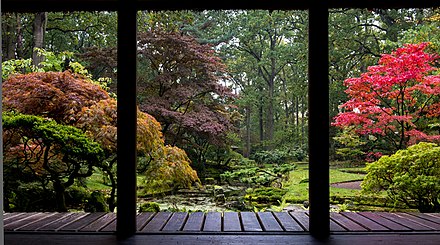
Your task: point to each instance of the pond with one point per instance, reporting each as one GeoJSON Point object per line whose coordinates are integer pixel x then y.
{"type": "Point", "coordinates": [211, 198]}
{"type": "Point", "coordinates": [206, 198]}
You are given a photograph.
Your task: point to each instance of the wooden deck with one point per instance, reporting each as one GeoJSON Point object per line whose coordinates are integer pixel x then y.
{"type": "Point", "coordinates": [223, 223]}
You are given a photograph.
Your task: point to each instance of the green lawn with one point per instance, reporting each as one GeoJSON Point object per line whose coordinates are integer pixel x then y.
{"type": "Point", "coordinates": [298, 186]}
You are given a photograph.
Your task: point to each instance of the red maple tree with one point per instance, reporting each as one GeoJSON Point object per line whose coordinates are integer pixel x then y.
{"type": "Point", "coordinates": [397, 101]}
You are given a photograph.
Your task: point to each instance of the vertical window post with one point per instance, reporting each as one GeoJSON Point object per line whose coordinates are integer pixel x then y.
{"type": "Point", "coordinates": [127, 120]}
{"type": "Point", "coordinates": [319, 192]}
{"type": "Point", "coordinates": [1, 138]}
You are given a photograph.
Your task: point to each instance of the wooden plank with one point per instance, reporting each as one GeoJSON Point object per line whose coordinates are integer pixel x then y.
{"type": "Point", "coordinates": [302, 218]}
{"type": "Point", "coordinates": [213, 222]}
{"type": "Point", "coordinates": [385, 222]}
{"type": "Point", "coordinates": [194, 222]}
{"type": "Point", "coordinates": [157, 222]}
{"type": "Point", "coordinates": [367, 223]}
{"type": "Point", "coordinates": [250, 222]}
{"type": "Point", "coordinates": [428, 216]}
{"type": "Point", "coordinates": [268, 222]}
{"type": "Point", "coordinates": [176, 222]}
{"type": "Point", "coordinates": [403, 221]}
{"type": "Point", "coordinates": [7, 216]}
{"type": "Point", "coordinates": [335, 226]}
{"type": "Point", "coordinates": [60, 223]}
{"type": "Point", "coordinates": [23, 222]}
{"type": "Point", "coordinates": [142, 219]}
{"type": "Point", "coordinates": [347, 223]}
{"type": "Point", "coordinates": [288, 222]}
{"type": "Point", "coordinates": [17, 217]}
{"type": "Point", "coordinates": [434, 214]}
{"type": "Point", "coordinates": [82, 222]}
{"type": "Point", "coordinates": [100, 223]}
{"type": "Point", "coordinates": [231, 221]}
{"type": "Point", "coordinates": [42, 222]}
{"type": "Point", "coordinates": [421, 221]}
{"type": "Point", "coordinates": [111, 227]}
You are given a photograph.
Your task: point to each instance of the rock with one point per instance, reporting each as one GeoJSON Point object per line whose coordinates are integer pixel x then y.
{"type": "Point", "coordinates": [220, 198]}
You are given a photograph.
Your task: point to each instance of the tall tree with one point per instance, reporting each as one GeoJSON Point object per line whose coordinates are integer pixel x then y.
{"type": "Point", "coordinates": [39, 29]}
{"type": "Point", "coordinates": [350, 55]}
{"type": "Point", "coordinates": [396, 101]}
{"type": "Point", "coordinates": [267, 42]}
{"type": "Point", "coordinates": [180, 84]}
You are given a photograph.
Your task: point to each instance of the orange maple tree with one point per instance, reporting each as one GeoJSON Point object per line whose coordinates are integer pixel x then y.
{"type": "Point", "coordinates": [72, 99]}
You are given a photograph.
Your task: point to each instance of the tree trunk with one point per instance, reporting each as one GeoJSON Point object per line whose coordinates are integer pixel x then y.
{"type": "Point", "coordinates": [298, 133]}
{"type": "Point", "coordinates": [286, 105]}
{"type": "Point", "coordinates": [303, 121]}
{"type": "Point", "coordinates": [260, 115]}
{"type": "Point", "coordinates": [247, 151]}
{"type": "Point", "coordinates": [39, 28]}
{"type": "Point", "coordinates": [108, 170]}
{"type": "Point", "coordinates": [60, 198]}
{"type": "Point", "coordinates": [8, 36]}
{"type": "Point", "coordinates": [270, 116]}
{"type": "Point", "coordinates": [19, 48]}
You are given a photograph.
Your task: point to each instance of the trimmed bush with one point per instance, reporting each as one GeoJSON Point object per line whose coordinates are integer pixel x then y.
{"type": "Point", "coordinates": [410, 176]}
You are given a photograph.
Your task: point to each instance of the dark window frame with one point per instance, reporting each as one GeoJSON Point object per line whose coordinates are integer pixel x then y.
{"type": "Point", "coordinates": [126, 91]}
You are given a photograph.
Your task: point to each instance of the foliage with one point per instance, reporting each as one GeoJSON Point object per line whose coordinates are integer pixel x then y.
{"type": "Point", "coordinates": [27, 197]}
{"type": "Point", "coordinates": [267, 60]}
{"type": "Point", "coordinates": [179, 84]}
{"type": "Point", "coordinates": [48, 152]}
{"type": "Point", "coordinates": [395, 100]}
{"type": "Point", "coordinates": [52, 62]}
{"type": "Point", "coordinates": [57, 95]}
{"type": "Point", "coordinates": [268, 195]}
{"type": "Point", "coordinates": [75, 100]}
{"type": "Point", "coordinates": [410, 176]}
{"type": "Point", "coordinates": [77, 196]}
{"type": "Point", "coordinates": [149, 207]}
{"type": "Point", "coordinates": [172, 171]}
{"type": "Point", "coordinates": [350, 143]}
{"type": "Point", "coordinates": [96, 203]}
{"type": "Point", "coordinates": [258, 176]}
{"type": "Point", "coordinates": [278, 156]}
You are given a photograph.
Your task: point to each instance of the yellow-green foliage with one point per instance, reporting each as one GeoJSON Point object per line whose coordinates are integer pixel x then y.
{"type": "Point", "coordinates": [410, 176]}
{"type": "Point", "coordinates": [171, 171]}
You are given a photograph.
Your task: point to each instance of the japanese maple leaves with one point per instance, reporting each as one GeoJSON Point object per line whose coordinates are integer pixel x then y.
{"type": "Point", "coordinates": [397, 99]}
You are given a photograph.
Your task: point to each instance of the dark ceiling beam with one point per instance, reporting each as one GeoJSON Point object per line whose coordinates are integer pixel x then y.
{"type": "Point", "coordinates": [112, 5]}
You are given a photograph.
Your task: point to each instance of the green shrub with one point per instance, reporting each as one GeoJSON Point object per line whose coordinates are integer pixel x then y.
{"type": "Point", "coordinates": [258, 176]}
{"type": "Point", "coordinates": [76, 196]}
{"type": "Point", "coordinates": [268, 195]}
{"type": "Point", "coordinates": [31, 197]}
{"type": "Point", "coordinates": [96, 203]}
{"type": "Point", "coordinates": [279, 156]}
{"type": "Point", "coordinates": [410, 176]}
{"type": "Point", "coordinates": [149, 207]}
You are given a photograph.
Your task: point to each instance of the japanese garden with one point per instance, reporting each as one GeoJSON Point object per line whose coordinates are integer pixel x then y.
{"type": "Point", "coordinates": [222, 117]}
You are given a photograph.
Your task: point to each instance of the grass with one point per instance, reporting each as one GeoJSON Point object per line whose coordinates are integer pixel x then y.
{"type": "Point", "coordinates": [95, 182]}
{"type": "Point", "coordinates": [298, 187]}
{"type": "Point", "coordinates": [342, 198]}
